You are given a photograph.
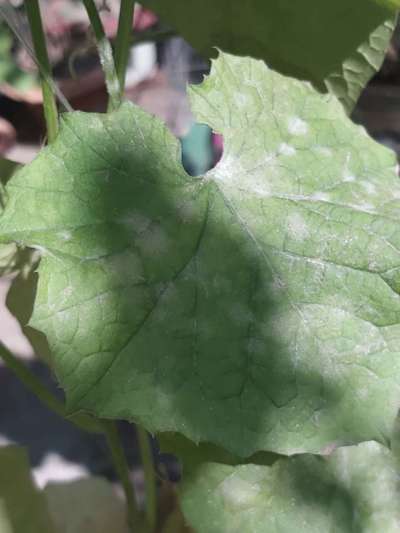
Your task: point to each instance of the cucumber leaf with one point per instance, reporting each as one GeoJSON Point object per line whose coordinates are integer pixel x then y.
{"type": "Point", "coordinates": [255, 308]}
{"type": "Point", "coordinates": [354, 489]}
{"type": "Point", "coordinates": [23, 509]}
{"type": "Point", "coordinates": [338, 46]}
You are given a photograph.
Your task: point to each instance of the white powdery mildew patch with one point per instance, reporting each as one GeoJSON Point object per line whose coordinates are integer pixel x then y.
{"type": "Point", "coordinates": [363, 393]}
{"type": "Point", "coordinates": [238, 492]}
{"type": "Point", "coordinates": [363, 207]}
{"type": "Point", "coordinates": [297, 227]}
{"type": "Point", "coordinates": [347, 175]}
{"type": "Point", "coordinates": [370, 344]}
{"type": "Point", "coordinates": [126, 266]}
{"type": "Point", "coordinates": [65, 235]}
{"type": "Point", "coordinates": [297, 126]}
{"type": "Point", "coordinates": [259, 187]}
{"type": "Point", "coordinates": [373, 265]}
{"type": "Point", "coordinates": [242, 99]}
{"type": "Point", "coordinates": [155, 241]}
{"type": "Point", "coordinates": [67, 292]}
{"type": "Point", "coordinates": [335, 302]}
{"type": "Point", "coordinates": [323, 150]}
{"type": "Point", "coordinates": [135, 221]}
{"type": "Point", "coordinates": [225, 170]}
{"type": "Point", "coordinates": [276, 286]}
{"type": "Point", "coordinates": [277, 326]}
{"type": "Point", "coordinates": [245, 180]}
{"type": "Point", "coordinates": [369, 187]}
{"type": "Point", "coordinates": [286, 149]}
{"type": "Point", "coordinates": [320, 197]}
{"type": "Point", "coordinates": [187, 211]}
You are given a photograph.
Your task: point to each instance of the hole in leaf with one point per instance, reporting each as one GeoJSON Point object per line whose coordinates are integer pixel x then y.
{"type": "Point", "coordinates": [201, 149]}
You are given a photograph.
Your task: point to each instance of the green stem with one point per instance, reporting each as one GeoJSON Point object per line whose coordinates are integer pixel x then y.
{"type": "Point", "coordinates": [149, 476]}
{"type": "Point", "coordinates": [122, 469]}
{"type": "Point", "coordinates": [39, 44]}
{"type": "Point", "coordinates": [105, 54]}
{"type": "Point", "coordinates": [33, 384]}
{"type": "Point", "coordinates": [95, 20]}
{"type": "Point", "coordinates": [123, 40]}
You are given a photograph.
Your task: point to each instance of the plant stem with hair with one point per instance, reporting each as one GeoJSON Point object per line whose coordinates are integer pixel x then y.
{"type": "Point", "coordinates": [39, 45]}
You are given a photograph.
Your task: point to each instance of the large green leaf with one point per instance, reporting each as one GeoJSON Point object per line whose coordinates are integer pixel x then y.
{"type": "Point", "coordinates": [257, 307]}
{"type": "Point", "coordinates": [336, 45]}
{"type": "Point", "coordinates": [23, 509]}
{"type": "Point", "coordinates": [356, 489]}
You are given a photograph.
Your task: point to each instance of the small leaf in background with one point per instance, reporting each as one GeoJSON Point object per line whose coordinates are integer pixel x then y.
{"type": "Point", "coordinates": [23, 509]}
{"type": "Point", "coordinates": [354, 489]}
{"type": "Point", "coordinates": [7, 168]}
{"type": "Point", "coordinates": [10, 73]}
{"type": "Point", "coordinates": [8, 252]}
{"type": "Point", "coordinates": [348, 81]}
{"type": "Point", "coordinates": [8, 258]}
{"type": "Point", "coordinates": [255, 308]}
{"type": "Point", "coordinates": [336, 45]}
{"type": "Point", "coordinates": [88, 505]}
{"type": "Point", "coordinates": [82, 506]}
{"type": "Point", "coordinates": [391, 4]}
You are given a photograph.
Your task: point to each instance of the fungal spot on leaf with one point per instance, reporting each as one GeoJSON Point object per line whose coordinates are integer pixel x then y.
{"type": "Point", "coordinates": [320, 196]}
{"type": "Point", "coordinates": [238, 492]}
{"type": "Point", "coordinates": [369, 187]}
{"type": "Point", "coordinates": [297, 227]}
{"type": "Point", "coordinates": [286, 149]}
{"type": "Point", "coordinates": [154, 241]}
{"type": "Point", "coordinates": [323, 150]}
{"type": "Point", "coordinates": [135, 221]}
{"type": "Point", "coordinates": [65, 235]}
{"type": "Point", "coordinates": [297, 126]}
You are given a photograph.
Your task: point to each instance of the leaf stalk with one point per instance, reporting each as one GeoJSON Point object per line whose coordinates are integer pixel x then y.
{"type": "Point", "coordinates": [39, 44]}
{"type": "Point", "coordinates": [105, 54]}
{"type": "Point", "coordinates": [122, 469]}
{"type": "Point", "coordinates": [123, 40]}
{"type": "Point", "coordinates": [149, 477]}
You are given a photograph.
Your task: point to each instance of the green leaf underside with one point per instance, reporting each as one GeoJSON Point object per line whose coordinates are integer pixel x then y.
{"type": "Point", "coordinates": [336, 45]}
{"type": "Point", "coordinates": [255, 308]}
{"type": "Point", "coordinates": [23, 509]}
{"type": "Point", "coordinates": [355, 489]}
{"type": "Point", "coordinates": [348, 81]}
